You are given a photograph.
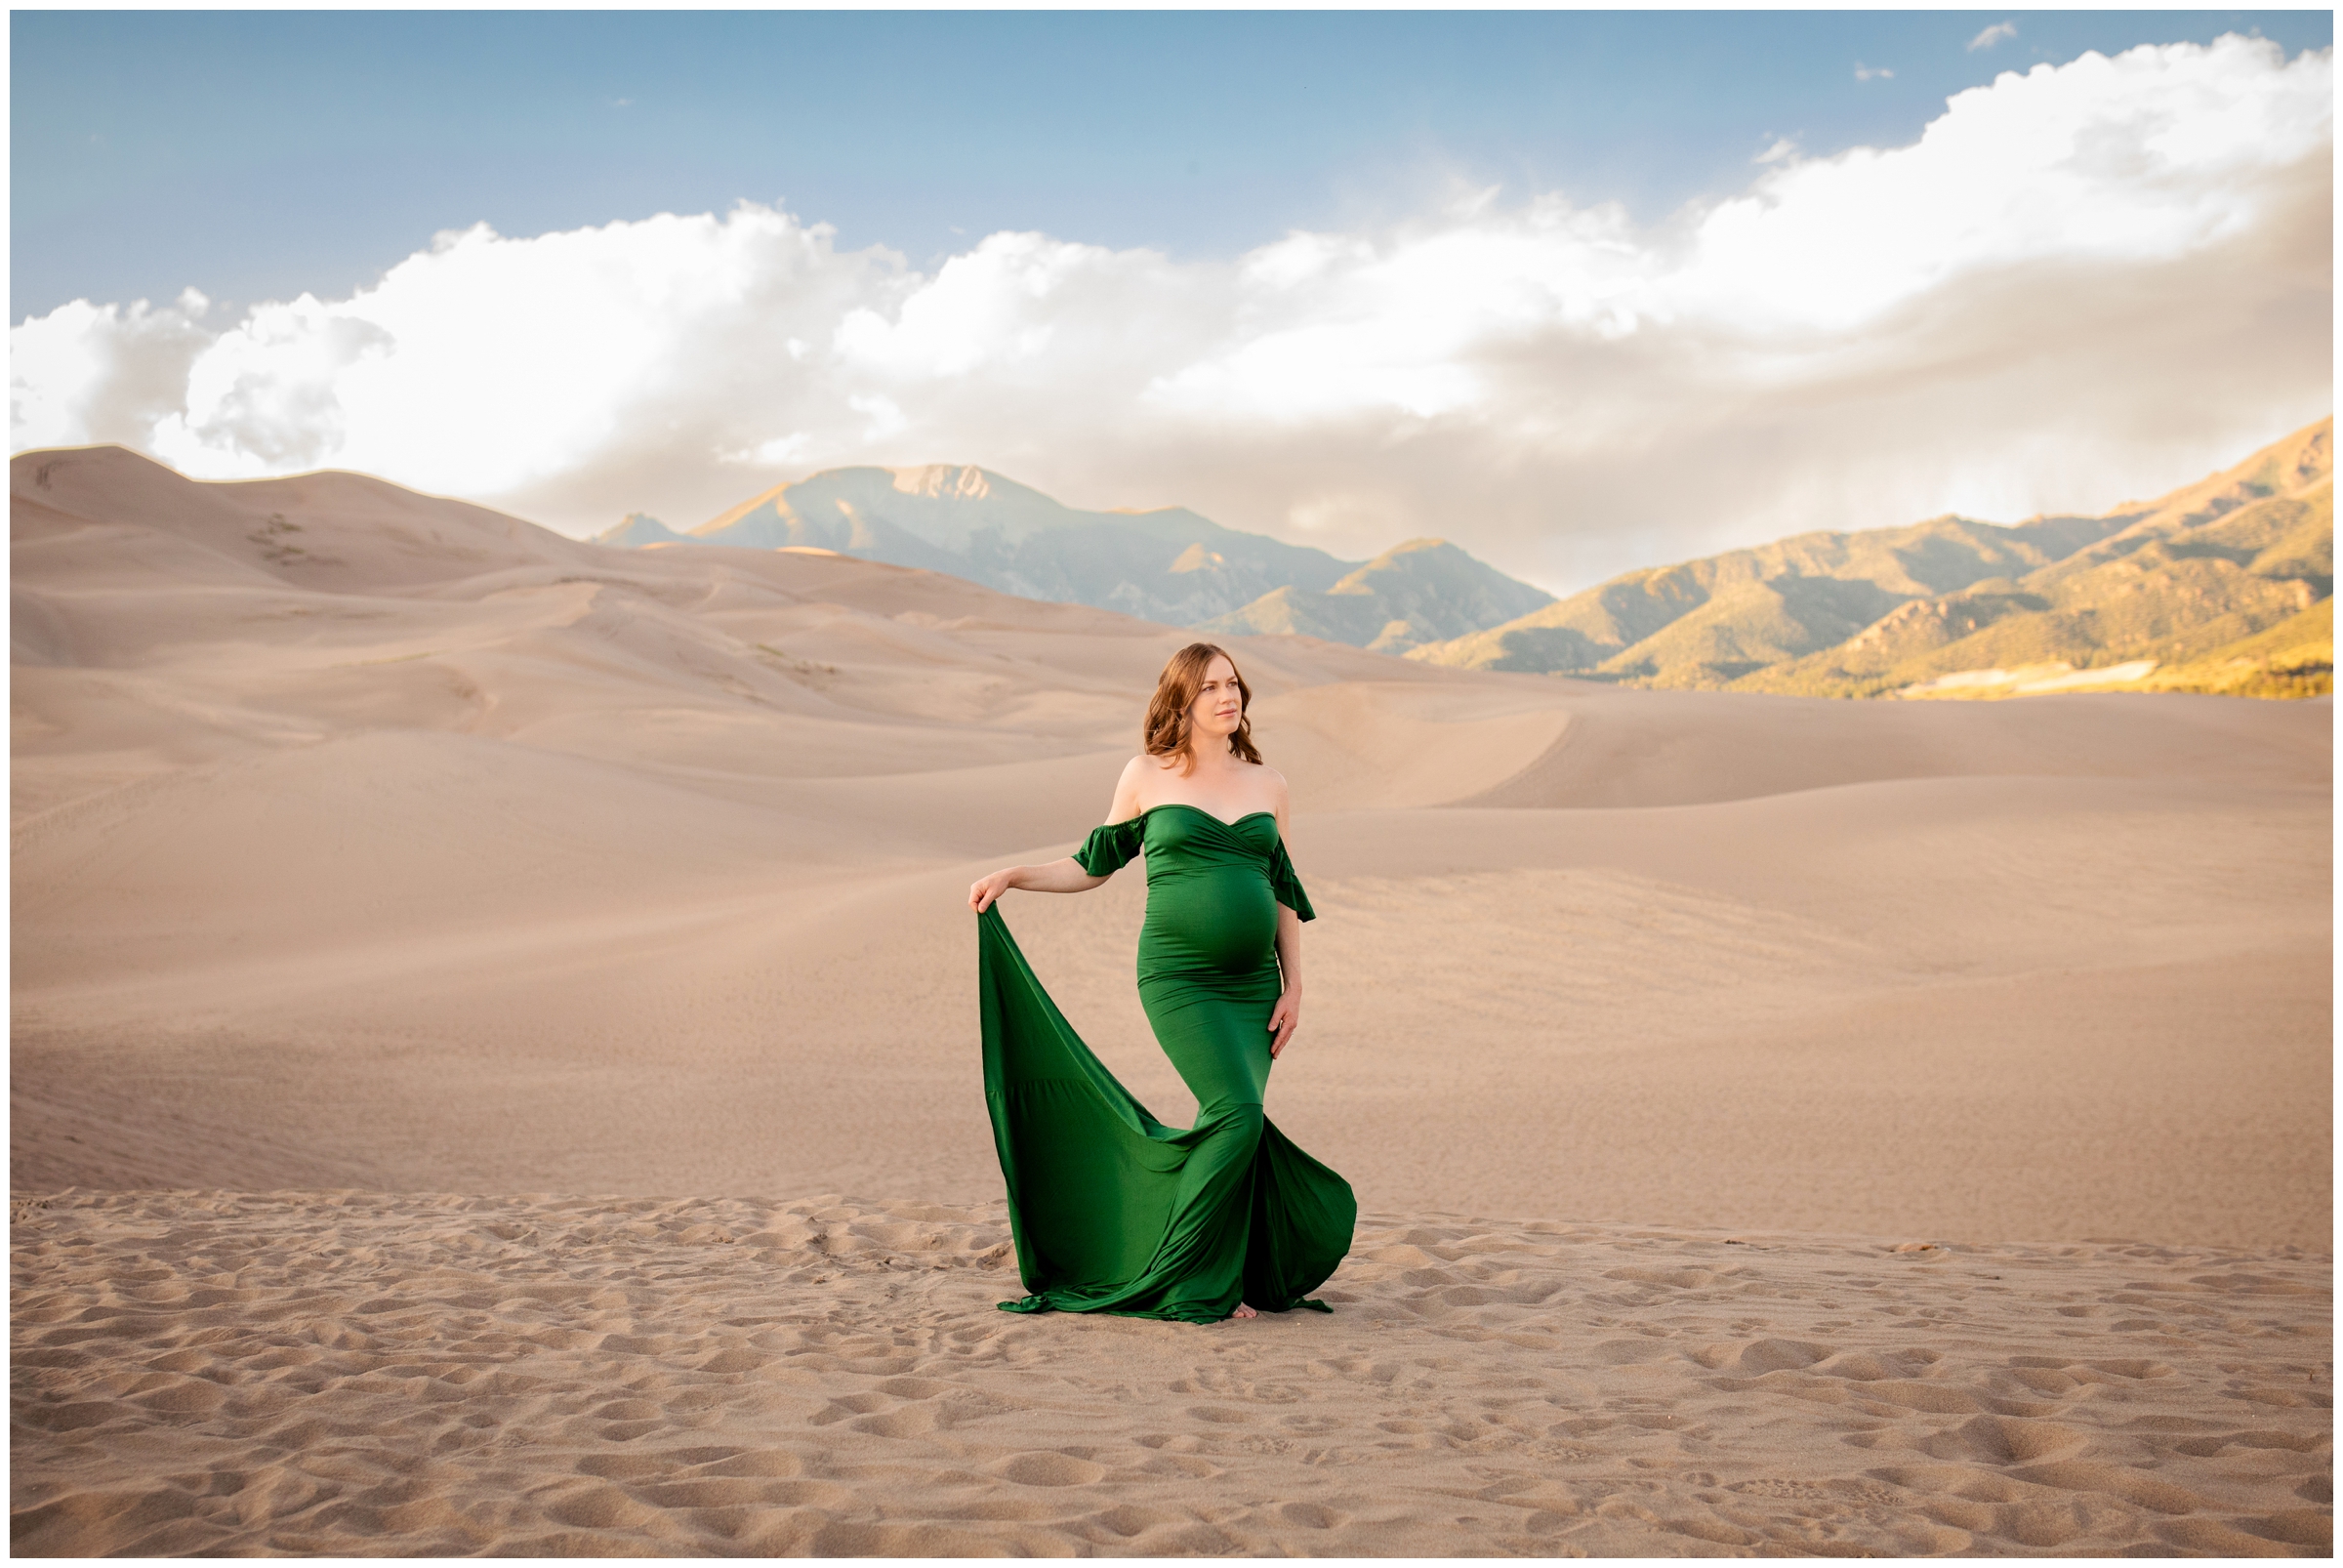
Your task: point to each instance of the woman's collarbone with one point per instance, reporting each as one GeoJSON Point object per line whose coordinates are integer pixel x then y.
{"type": "Point", "coordinates": [1248, 808]}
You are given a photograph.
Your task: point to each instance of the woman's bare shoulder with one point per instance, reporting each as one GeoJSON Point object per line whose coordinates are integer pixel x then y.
{"type": "Point", "coordinates": [1130, 789]}
{"type": "Point", "coordinates": [1275, 782]}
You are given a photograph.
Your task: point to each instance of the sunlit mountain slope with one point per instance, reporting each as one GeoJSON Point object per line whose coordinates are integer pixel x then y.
{"type": "Point", "coordinates": [2209, 566]}
{"type": "Point", "coordinates": [2145, 591]}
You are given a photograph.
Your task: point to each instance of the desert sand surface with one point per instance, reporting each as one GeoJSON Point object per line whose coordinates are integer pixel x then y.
{"type": "Point", "coordinates": [354, 1373]}
{"type": "Point", "coordinates": [369, 847]}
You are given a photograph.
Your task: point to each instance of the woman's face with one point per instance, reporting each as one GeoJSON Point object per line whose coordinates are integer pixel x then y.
{"type": "Point", "coordinates": [1220, 705]}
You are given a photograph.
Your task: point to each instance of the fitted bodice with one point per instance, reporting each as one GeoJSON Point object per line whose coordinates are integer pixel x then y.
{"type": "Point", "coordinates": [1212, 888]}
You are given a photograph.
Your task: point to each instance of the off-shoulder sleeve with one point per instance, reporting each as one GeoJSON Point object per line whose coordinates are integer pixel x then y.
{"type": "Point", "coordinates": [1109, 849]}
{"type": "Point", "coordinates": [1287, 884]}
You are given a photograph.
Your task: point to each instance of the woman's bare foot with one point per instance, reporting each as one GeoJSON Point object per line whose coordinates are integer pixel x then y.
{"type": "Point", "coordinates": [1244, 1311]}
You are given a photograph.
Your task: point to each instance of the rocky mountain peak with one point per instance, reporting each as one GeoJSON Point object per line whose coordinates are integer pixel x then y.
{"type": "Point", "coordinates": [963, 481]}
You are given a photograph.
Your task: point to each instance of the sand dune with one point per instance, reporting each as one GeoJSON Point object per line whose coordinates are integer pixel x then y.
{"type": "Point", "coordinates": [346, 1373]}
{"type": "Point", "coordinates": [379, 844]}
{"type": "Point", "coordinates": [596, 870]}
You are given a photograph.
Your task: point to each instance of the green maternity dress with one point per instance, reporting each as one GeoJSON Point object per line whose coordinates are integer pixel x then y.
{"type": "Point", "coordinates": [1112, 1211]}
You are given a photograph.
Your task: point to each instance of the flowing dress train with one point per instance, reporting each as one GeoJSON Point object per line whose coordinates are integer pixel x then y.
{"type": "Point", "coordinates": [1112, 1211]}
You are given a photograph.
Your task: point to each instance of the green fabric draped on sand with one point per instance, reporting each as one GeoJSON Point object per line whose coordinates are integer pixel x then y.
{"type": "Point", "coordinates": [1112, 1211]}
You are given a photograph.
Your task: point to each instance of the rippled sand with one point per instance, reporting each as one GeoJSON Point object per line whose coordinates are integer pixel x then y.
{"type": "Point", "coordinates": [357, 1374]}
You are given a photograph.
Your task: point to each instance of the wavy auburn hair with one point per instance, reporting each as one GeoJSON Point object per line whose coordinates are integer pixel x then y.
{"type": "Point", "coordinates": [1168, 732]}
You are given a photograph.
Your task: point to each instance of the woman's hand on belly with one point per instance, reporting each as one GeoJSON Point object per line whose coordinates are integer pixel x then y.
{"type": "Point", "coordinates": [1283, 1019]}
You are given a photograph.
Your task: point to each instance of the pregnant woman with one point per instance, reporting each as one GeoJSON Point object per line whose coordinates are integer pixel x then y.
{"type": "Point", "coordinates": [1113, 1212]}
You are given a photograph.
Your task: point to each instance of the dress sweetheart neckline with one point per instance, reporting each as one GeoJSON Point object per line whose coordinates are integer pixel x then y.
{"type": "Point", "coordinates": [1200, 811]}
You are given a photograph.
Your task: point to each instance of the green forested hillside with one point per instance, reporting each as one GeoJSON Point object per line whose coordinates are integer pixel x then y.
{"type": "Point", "coordinates": [2188, 581]}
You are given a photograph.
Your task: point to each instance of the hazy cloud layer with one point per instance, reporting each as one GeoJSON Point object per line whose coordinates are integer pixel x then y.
{"type": "Point", "coordinates": [2081, 282]}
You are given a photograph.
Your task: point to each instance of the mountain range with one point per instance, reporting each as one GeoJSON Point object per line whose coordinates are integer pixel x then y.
{"type": "Point", "coordinates": [2223, 586]}
{"type": "Point", "coordinates": [1170, 565]}
{"type": "Point", "coordinates": [1423, 588]}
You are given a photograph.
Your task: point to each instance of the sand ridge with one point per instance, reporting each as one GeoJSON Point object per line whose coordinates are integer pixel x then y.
{"type": "Point", "coordinates": [366, 1373]}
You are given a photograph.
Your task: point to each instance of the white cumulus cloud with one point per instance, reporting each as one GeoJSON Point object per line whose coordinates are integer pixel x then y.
{"type": "Point", "coordinates": [2079, 282]}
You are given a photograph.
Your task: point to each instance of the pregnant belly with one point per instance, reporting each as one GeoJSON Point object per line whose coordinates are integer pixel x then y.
{"type": "Point", "coordinates": [1224, 922]}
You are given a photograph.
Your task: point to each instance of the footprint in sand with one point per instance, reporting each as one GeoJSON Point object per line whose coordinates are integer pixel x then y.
{"type": "Point", "coordinates": [1126, 1521]}
{"type": "Point", "coordinates": [1220, 1416]}
{"type": "Point", "coordinates": [1049, 1469]}
{"type": "Point", "coordinates": [907, 1420]}
{"type": "Point", "coordinates": [2006, 1440]}
{"type": "Point", "coordinates": [845, 1406]}
{"type": "Point", "coordinates": [599, 1506]}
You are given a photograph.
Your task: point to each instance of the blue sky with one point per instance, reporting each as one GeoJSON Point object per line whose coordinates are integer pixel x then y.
{"type": "Point", "coordinates": [258, 155]}
{"type": "Point", "coordinates": [1582, 291]}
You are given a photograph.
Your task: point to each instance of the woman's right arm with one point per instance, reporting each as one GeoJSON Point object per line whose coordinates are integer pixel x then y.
{"type": "Point", "coordinates": [1061, 875]}
{"type": "Point", "coordinates": [1056, 877]}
